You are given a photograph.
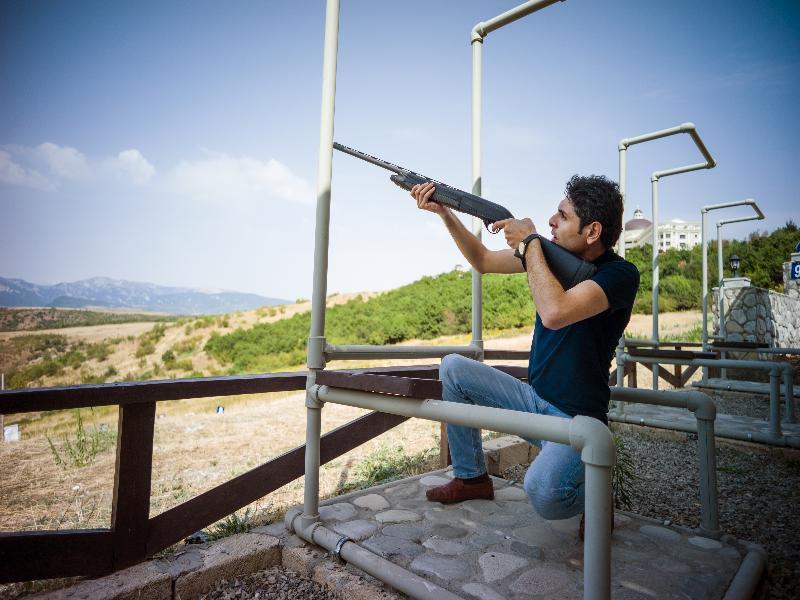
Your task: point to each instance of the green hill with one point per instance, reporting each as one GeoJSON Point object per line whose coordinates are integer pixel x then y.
{"type": "Point", "coordinates": [440, 305]}
{"type": "Point", "coordinates": [426, 309]}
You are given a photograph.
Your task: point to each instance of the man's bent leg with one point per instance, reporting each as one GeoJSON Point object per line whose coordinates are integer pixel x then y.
{"type": "Point", "coordinates": [555, 482]}
{"type": "Point", "coordinates": [471, 382]}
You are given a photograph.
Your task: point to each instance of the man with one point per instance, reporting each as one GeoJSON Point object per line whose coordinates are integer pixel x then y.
{"type": "Point", "coordinates": [574, 339]}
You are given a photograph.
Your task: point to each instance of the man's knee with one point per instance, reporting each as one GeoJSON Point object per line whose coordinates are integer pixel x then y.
{"type": "Point", "coordinates": [549, 502]}
{"type": "Point", "coordinates": [450, 366]}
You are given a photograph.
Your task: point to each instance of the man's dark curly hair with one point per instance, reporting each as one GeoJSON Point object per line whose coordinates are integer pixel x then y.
{"type": "Point", "coordinates": [597, 198]}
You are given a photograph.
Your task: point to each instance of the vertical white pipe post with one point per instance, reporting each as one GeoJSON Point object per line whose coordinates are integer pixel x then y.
{"type": "Point", "coordinates": [477, 287]}
{"type": "Point", "coordinates": [623, 165]}
{"type": "Point", "coordinates": [654, 185]}
{"type": "Point", "coordinates": [788, 395]}
{"type": "Point", "coordinates": [597, 531]}
{"type": "Point", "coordinates": [721, 334]}
{"type": "Point", "coordinates": [720, 276]}
{"type": "Point", "coordinates": [775, 402]}
{"type": "Point", "coordinates": [704, 251]}
{"type": "Point", "coordinates": [316, 341]}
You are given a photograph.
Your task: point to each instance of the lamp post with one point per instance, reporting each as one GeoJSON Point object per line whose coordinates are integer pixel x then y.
{"type": "Point", "coordinates": [734, 262]}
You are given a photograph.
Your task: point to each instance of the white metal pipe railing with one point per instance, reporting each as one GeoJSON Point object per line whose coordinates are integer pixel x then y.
{"type": "Point", "coordinates": [775, 369]}
{"type": "Point", "coordinates": [342, 546]}
{"type": "Point", "coordinates": [316, 341]}
{"type": "Point", "coordinates": [587, 435]}
{"type": "Point", "coordinates": [360, 352]}
{"type": "Point", "coordinates": [710, 163]}
{"type": "Point", "coordinates": [704, 251]}
{"type": "Point", "coordinates": [477, 35]}
{"type": "Point", "coordinates": [704, 410]}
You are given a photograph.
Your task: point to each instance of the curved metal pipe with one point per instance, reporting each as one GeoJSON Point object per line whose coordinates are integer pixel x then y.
{"type": "Point", "coordinates": [588, 435]}
{"type": "Point", "coordinates": [484, 28]}
{"type": "Point", "coordinates": [376, 352]}
{"type": "Point", "coordinates": [745, 582]}
{"type": "Point", "coordinates": [705, 412]}
{"type": "Point", "coordinates": [380, 568]}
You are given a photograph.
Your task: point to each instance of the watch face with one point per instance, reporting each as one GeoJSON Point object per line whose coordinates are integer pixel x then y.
{"type": "Point", "coordinates": [521, 248]}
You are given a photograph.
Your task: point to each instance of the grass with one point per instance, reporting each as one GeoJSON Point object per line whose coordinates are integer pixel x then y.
{"type": "Point", "coordinates": [623, 475]}
{"type": "Point", "coordinates": [389, 464]}
{"type": "Point", "coordinates": [80, 447]}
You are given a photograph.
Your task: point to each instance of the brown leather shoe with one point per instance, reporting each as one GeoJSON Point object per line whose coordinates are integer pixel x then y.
{"type": "Point", "coordinates": [458, 491]}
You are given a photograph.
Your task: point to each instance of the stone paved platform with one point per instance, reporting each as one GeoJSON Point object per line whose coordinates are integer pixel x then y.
{"type": "Point", "coordinates": [502, 549]}
{"type": "Point", "coordinates": [683, 420]}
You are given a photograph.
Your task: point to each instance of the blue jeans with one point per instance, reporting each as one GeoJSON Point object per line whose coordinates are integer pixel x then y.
{"type": "Point", "coordinates": [554, 482]}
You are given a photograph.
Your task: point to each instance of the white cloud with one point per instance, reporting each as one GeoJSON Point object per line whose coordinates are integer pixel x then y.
{"type": "Point", "coordinates": [18, 166]}
{"type": "Point", "coordinates": [63, 161]}
{"type": "Point", "coordinates": [132, 163]}
{"type": "Point", "coordinates": [11, 172]}
{"type": "Point", "coordinates": [223, 177]}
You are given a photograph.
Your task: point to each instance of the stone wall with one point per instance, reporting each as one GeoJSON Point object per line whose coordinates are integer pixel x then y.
{"type": "Point", "coordinates": [755, 314]}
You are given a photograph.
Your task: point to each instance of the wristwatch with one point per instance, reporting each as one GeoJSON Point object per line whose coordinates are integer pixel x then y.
{"type": "Point", "coordinates": [523, 245]}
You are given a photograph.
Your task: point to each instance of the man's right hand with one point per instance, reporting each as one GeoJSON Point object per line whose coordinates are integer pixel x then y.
{"type": "Point", "coordinates": [422, 193]}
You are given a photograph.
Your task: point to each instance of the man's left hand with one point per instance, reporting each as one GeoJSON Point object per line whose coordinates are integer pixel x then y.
{"type": "Point", "coordinates": [515, 230]}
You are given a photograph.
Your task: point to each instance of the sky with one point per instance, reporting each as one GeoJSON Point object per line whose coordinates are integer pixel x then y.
{"type": "Point", "coordinates": [177, 142]}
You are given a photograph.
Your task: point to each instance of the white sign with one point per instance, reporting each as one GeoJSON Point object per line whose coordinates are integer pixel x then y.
{"type": "Point", "coordinates": [11, 433]}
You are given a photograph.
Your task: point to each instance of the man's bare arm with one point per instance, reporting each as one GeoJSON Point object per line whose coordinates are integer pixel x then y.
{"type": "Point", "coordinates": [479, 256]}
{"type": "Point", "coordinates": [558, 308]}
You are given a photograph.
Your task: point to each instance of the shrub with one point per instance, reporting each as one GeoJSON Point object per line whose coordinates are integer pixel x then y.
{"type": "Point", "coordinates": [145, 349]}
{"type": "Point", "coordinates": [186, 346]}
{"type": "Point", "coordinates": [80, 448]}
{"type": "Point", "coordinates": [99, 351]}
{"type": "Point", "coordinates": [623, 475]}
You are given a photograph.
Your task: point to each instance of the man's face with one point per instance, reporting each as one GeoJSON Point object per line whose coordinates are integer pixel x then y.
{"type": "Point", "coordinates": [565, 226]}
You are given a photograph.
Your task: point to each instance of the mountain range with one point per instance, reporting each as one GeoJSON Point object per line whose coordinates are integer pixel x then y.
{"type": "Point", "coordinates": [104, 292]}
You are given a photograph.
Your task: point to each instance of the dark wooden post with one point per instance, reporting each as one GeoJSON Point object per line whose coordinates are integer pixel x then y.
{"type": "Point", "coordinates": [130, 511]}
{"type": "Point", "coordinates": [444, 447]}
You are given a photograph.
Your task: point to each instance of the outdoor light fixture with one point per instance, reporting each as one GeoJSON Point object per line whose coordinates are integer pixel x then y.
{"type": "Point", "coordinates": [734, 262]}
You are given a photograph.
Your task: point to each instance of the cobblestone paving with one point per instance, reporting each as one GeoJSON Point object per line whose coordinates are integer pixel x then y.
{"type": "Point", "coordinates": [503, 549]}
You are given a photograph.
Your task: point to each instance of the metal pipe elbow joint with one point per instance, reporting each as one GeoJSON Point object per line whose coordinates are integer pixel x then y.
{"type": "Point", "coordinates": [594, 440]}
{"type": "Point", "coordinates": [701, 405]}
{"type": "Point", "coordinates": [477, 35]}
{"type": "Point", "coordinates": [688, 127]}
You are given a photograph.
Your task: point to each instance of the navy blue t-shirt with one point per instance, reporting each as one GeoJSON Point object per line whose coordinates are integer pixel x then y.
{"type": "Point", "coordinates": [569, 367]}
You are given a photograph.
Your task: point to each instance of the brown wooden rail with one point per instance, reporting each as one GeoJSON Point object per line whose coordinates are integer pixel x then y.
{"type": "Point", "coordinates": [133, 535]}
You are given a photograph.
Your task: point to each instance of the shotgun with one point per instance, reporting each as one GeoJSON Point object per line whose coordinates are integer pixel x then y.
{"type": "Point", "coordinates": [568, 268]}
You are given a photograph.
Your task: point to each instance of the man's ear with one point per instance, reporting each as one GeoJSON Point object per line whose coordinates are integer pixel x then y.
{"type": "Point", "coordinates": [593, 231]}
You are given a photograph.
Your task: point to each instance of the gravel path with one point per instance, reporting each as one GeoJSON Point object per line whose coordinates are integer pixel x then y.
{"type": "Point", "coordinates": [758, 487]}
{"type": "Point", "coordinates": [272, 584]}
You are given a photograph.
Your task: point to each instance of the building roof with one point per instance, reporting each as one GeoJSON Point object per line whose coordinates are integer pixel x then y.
{"type": "Point", "coordinates": [634, 224]}
{"type": "Point", "coordinates": [638, 221]}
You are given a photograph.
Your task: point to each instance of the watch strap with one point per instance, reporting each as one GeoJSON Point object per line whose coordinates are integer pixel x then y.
{"type": "Point", "coordinates": [526, 241]}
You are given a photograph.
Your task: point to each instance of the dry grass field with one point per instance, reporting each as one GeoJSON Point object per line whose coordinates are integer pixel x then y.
{"type": "Point", "coordinates": [195, 447]}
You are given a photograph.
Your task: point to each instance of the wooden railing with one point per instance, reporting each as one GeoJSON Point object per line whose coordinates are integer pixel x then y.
{"type": "Point", "coordinates": [133, 534]}
{"type": "Point", "coordinates": [680, 374]}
